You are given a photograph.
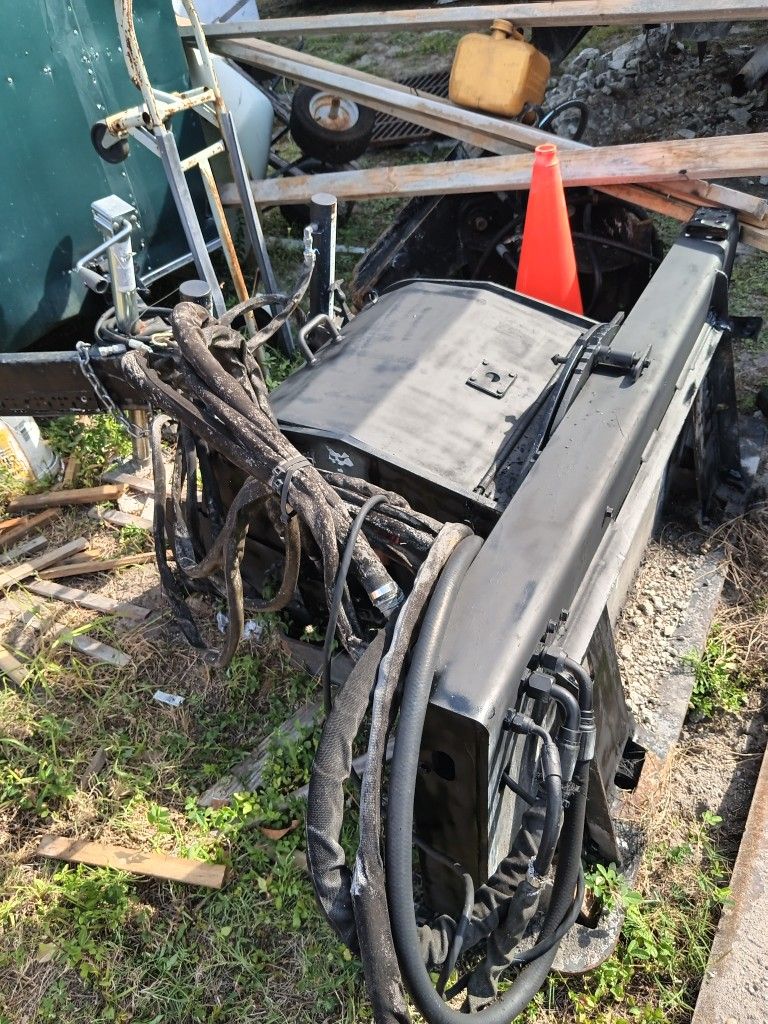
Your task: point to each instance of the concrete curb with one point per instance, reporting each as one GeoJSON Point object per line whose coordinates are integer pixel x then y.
{"type": "Point", "coordinates": [735, 985]}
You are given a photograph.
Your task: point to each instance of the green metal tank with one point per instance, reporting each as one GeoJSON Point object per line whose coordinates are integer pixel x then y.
{"type": "Point", "coordinates": [61, 70]}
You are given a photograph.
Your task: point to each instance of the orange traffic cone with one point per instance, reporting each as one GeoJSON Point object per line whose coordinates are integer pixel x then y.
{"type": "Point", "coordinates": [547, 268]}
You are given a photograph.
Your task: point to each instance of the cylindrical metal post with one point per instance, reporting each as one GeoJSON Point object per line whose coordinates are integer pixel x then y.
{"type": "Point", "coordinates": [322, 210]}
{"type": "Point", "coordinates": [142, 454]}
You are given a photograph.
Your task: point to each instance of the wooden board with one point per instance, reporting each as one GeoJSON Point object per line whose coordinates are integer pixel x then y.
{"type": "Point", "coordinates": [27, 547]}
{"type": "Point", "coordinates": [132, 482]}
{"type": "Point", "coordinates": [156, 865]}
{"type": "Point", "coordinates": [467, 19]}
{"type": "Point", "coordinates": [9, 524]}
{"type": "Point", "coordinates": [722, 157]}
{"type": "Point", "coordinates": [11, 667]}
{"type": "Point", "coordinates": [26, 526]}
{"type": "Point", "coordinates": [115, 517]}
{"type": "Point", "coordinates": [79, 496]}
{"type": "Point", "coordinates": [106, 565]}
{"type": "Point", "coordinates": [492, 134]}
{"type": "Point", "coordinates": [84, 599]}
{"type": "Point", "coordinates": [80, 642]}
{"type": "Point", "coordinates": [21, 572]}
{"type": "Point", "coordinates": [73, 464]}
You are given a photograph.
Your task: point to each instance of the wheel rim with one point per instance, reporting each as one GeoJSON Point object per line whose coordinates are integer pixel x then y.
{"type": "Point", "coordinates": [333, 112]}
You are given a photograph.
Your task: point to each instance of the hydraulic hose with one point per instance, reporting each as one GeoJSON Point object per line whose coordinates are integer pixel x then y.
{"type": "Point", "coordinates": [400, 828]}
{"type": "Point", "coordinates": [338, 592]}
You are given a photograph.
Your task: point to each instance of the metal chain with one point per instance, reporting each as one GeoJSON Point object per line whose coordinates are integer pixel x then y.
{"type": "Point", "coordinates": [84, 359]}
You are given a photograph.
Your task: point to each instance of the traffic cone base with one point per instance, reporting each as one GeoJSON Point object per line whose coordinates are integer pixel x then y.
{"type": "Point", "coordinates": [547, 269]}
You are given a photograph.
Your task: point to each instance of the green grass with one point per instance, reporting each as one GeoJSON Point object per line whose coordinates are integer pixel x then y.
{"type": "Point", "coordinates": [653, 975]}
{"type": "Point", "coordinates": [77, 941]}
{"type": "Point", "coordinates": [98, 441]}
{"type": "Point", "coordinates": [718, 681]}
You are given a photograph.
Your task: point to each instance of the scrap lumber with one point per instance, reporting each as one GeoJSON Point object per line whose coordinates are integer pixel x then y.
{"type": "Point", "coordinates": [132, 482]}
{"type": "Point", "coordinates": [114, 517]}
{"type": "Point", "coordinates": [492, 134]}
{"type": "Point", "coordinates": [11, 667]}
{"type": "Point", "coordinates": [26, 525]}
{"type": "Point", "coordinates": [156, 865]}
{"type": "Point", "coordinates": [27, 547]}
{"type": "Point", "coordinates": [80, 642]}
{"type": "Point", "coordinates": [96, 764]}
{"type": "Point", "coordinates": [86, 568]}
{"type": "Point", "coordinates": [84, 599]}
{"type": "Point", "coordinates": [26, 569]}
{"type": "Point", "coordinates": [722, 157]}
{"type": "Point", "coordinates": [78, 496]}
{"type": "Point", "coordinates": [561, 13]}
{"type": "Point", "coordinates": [73, 464]}
{"type": "Point", "coordinates": [9, 524]}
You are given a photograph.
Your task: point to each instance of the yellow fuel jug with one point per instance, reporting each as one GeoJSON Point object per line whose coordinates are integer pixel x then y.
{"type": "Point", "coordinates": [498, 73]}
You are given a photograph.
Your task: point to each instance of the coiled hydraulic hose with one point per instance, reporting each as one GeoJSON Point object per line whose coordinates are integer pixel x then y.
{"type": "Point", "coordinates": [413, 709]}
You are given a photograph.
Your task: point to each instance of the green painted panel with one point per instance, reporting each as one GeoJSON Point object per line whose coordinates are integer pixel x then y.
{"type": "Point", "coordinates": [62, 69]}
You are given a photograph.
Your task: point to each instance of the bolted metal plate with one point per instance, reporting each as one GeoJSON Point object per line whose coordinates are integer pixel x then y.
{"type": "Point", "coordinates": [494, 380]}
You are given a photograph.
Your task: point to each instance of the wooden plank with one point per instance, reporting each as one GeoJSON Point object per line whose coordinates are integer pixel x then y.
{"type": "Point", "coordinates": [97, 763]}
{"type": "Point", "coordinates": [27, 547]}
{"type": "Point", "coordinates": [73, 464]}
{"type": "Point", "coordinates": [724, 156]}
{"type": "Point", "coordinates": [80, 642]}
{"type": "Point", "coordinates": [21, 572]}
{"type": "Point", "coordinates": [105, 565]}
{"type": "Point", "coordinates": [115, 517]}
{"type": "Point", "coordinates": [28, 524]}
{"type": "Point", "coordinates": [156, 865]}
{"type": "Point", "coordinates": [489, 133]}
{"type": "Point", "coordinates": [466, 19]}
{"type": "Point", "coordinates": [78, 496]}
{"type": "Point", "coordinates": [132, 482]}
{"type": "Point", "coordinates": [11, 667]}
{"type": "Point", "coordinates": [84, 599]}
{"type": "Point", "coordinates": [9, 524]}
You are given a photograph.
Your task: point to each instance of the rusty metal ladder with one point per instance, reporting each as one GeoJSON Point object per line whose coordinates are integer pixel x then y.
{"type": "Point", "coordinates": [147, 123]}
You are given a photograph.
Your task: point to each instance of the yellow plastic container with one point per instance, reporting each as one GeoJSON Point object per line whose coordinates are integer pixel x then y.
{"type": "Point", "coordinates": [498, 73]}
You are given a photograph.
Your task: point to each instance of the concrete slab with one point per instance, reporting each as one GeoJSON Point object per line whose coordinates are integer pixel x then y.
{"type": "Point", "coordinates": [735, 985]}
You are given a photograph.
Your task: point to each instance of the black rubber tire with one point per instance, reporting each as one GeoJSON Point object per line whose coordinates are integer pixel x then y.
{"type": "Point", "coordinates": [111, 150]}
{"type": "Point", "coordinates": [297, 214]}
{"type": "Point", "coordinates": [332, 147]}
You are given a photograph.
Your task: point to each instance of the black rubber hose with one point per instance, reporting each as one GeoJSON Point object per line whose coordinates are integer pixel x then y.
{"type": "Point", "coordinates": [583, 678]}
{"type": "Point", "coordinates": [400, 825]}
{"type": "Point", "coordinates": [544, 945]}
{"type": "Point", "coordinates": [338, 592]}
{"type": "Point", "coordinates": [553, 781]}
{"type": "Point", "coordinates": [569, 704]}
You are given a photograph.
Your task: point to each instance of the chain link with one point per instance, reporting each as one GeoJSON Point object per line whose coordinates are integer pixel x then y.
{"type": "Point", "coordinates": [84, 359]}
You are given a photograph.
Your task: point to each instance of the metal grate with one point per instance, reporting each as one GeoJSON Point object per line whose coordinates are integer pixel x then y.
{"type": "Point", "coordinates": [392, 131]}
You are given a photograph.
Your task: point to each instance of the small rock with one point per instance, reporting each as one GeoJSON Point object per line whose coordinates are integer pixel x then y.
{"type": "Point", "coordinates": [740, 115]}
{"type": "Point", "coordinates": [684, 133]}
{"type": "Point", "coordinates": [585, 56]}
{"type": "Point", "coordinates": [626, 652]}
{"type": "Point", "coordinates": [669, 630]}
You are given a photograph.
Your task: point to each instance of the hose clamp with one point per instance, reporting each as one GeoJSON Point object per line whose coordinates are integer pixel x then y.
{"type": "Point", "coordinates": [280, 482]}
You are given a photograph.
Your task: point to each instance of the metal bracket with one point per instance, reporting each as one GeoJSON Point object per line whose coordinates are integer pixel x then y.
{"type": "Point", "coordinates": [490, 379]}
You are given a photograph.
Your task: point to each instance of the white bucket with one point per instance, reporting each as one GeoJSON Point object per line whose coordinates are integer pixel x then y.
{"type": "Point", "coordinates": [23, 451]}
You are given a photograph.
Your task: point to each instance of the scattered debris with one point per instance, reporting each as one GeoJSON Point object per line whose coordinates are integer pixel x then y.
{"type": "Point", "coordinates": [84, 599]}
{"type": "Point", "coordinates": [11, 667]}
{"type": "Point", "coordinates": [115, 517]}
{"type": "Point", "coordinates": [79, 496]}
{"type": "Point", "coordinates": [156, 865]}
{"type": "Point", "coordinates": [27, 547]}
{"type": "Point", "coordinates": [26, 524]}
{"type": "Point", "coordinates": [105, 565]}
{"type": "Point", "coordinates": [25, 569]}
{"type": "Point", "coordinates": [95, 765]}
{"type": "Point", "coordinates": [173, 700]}
{"type": "Point", "coordinates": [132, 482]}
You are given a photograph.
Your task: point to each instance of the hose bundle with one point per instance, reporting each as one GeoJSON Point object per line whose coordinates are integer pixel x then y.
{"type": "Point", "coordinates": [371, 905]}
{"type": "Point", "coordinates": [211, 384]}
